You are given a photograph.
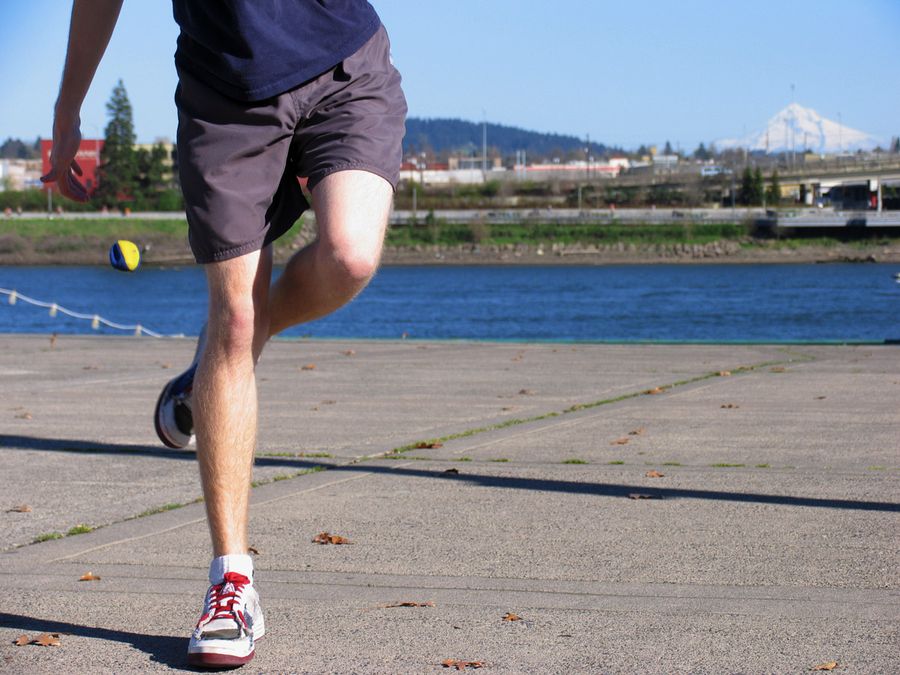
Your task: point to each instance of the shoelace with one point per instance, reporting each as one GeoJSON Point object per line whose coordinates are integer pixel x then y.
{"type": "Point", "coordinates": [225, 600]}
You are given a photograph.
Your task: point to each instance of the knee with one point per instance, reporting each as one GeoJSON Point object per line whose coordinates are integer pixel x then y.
{"type": "Point", "coordinates": [233, 326]}
{"type": "Point", "coordinates": [353, 266]}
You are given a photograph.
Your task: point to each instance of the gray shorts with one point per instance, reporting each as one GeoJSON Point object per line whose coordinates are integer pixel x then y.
{"type": "Point", "coordinates": [240, 163]}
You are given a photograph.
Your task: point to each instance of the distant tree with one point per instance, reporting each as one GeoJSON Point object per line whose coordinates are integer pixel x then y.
{"type": "Point", "coordinates": [743, 196]}
{"type": "Point", "coordinates": [668, 149]}
{"type": "Point", "coordinates": [773, 193]}
{"type": "Point", "coordinates": [14, 148]}
{"type": "Point", "coordinates": [895, 145]}
{"type": "Point", "coordinates": [751, 190]}
{"type": "Point", "coordinates": [701, 152]}
{"type": "Point", "coordinates": [151, 168]}
{"type": "Point", "coordinates": [756, 197]}
{"type": "Point", "coordinates": [118, 171]}
{"type": "Point", "coordinates": [643, 151]}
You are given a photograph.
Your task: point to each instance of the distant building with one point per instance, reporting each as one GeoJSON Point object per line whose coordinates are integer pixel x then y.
{"type": "Point", "coordinates": [665, 161]}
{"type": "Point", "coordinates": [88, 158]}
{"type": "Point", "coordinates": [460, 170]}
{"type": "Point", "coordinates": [20, 174]}
{"type": "Point", "coordinates": [579, 170]}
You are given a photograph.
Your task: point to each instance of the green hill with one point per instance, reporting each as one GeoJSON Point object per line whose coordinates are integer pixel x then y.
{"type": "Point", "coordinates": [459, 136]}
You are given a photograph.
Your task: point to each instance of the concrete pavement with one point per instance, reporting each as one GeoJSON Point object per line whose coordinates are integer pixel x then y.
{"type": "Point", "coordinates": [769, 544]}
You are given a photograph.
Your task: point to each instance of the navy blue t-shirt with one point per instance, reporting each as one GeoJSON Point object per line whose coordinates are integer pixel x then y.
{"type": "Point", "coordinates": [254, 49]}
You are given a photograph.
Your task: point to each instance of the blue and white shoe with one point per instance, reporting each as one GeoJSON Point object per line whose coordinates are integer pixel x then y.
{"type": "Point", "coordinates": [173, 417]}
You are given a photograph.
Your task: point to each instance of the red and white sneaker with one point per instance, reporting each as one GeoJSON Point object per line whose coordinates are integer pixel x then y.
{"type": "Point", "coordinates": [231, 624]}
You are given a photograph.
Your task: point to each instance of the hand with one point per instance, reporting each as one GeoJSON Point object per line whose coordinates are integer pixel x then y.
{"type": "Point", "coordinates": [63, 165]}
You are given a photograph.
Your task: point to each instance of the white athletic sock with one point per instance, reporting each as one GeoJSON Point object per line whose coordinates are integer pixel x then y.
{"type": "Point", "coordinates": [234, 562]}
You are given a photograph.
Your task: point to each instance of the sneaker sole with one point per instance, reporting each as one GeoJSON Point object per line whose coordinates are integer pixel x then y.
{"type": "Point", "coordinates": [215, 660]}
{"type": "Point", "coordinates": [163, 436]}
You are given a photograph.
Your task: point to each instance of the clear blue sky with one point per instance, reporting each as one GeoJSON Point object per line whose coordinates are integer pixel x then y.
{"type": "Point", "coordinates": [625, 73]}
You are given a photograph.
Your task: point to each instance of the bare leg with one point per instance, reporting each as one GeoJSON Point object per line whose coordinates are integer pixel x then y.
{"type": "Point", "coordinates": [225, 395]}
{"type": "Point", "coordinates": [352, 209]}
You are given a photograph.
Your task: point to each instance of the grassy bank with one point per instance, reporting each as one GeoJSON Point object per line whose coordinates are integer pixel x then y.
{"type": "Point", "coordinates": [451, 234]}
{"type": "Point", "coordinates": [108, 228]}
{"type": "Point", "coordinates": [86, 241]}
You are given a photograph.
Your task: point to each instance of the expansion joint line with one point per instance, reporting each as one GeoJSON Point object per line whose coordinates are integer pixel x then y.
{"type": "Point", "coordinates": [793, 357]}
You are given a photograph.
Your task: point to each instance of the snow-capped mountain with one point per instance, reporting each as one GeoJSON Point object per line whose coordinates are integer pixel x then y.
{"type": "Point", "coordinates": [797, 128]}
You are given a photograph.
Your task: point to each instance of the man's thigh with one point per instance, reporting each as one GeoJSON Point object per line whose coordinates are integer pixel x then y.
{"type": "Point", "coordinates": [352, 210]}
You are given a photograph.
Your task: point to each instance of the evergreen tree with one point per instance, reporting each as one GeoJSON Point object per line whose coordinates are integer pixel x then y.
{"type": "Point", "coordinates": [118, 171]}
{"type": "Point", "coordinates": [773, 194]}
{"type": "Point", "coordinates": [701, 153]}
{"type": "Point", "coordinates": [151, 168]}
{"type": "Point", "coordinates": [745, 193]}
{"type": "Point", "coordinates": [758, 189]}
{"type": "Point", "coordinates": [668, 149]}
{"type": "Point", "coordinates": [895, 146]}
{"type": "Point", "coordinates": [14, 148]}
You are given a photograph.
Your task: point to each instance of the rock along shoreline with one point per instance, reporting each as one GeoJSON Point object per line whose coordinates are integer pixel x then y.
{"type": "Point", "coordinates": [166, 251]}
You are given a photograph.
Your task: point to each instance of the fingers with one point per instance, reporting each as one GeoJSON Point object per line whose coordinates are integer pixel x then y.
{"type": "Point", "coordinates": [68, 185]}
{"type": "Point", "coordinates": [72, 188]}
{"type": "Point", "coordinates": [77, 167]}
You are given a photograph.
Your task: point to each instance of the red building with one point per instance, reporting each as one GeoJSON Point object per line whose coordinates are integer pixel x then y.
{"type": "Point", "coordinates": [88, 158]}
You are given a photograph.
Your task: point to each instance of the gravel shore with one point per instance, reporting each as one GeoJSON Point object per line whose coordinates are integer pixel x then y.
{"type": "Point", "coordinates": [166, 250]}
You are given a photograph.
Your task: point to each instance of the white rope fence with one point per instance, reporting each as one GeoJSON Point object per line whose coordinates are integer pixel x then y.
{"type": "Point", "coordinates": [95, 319]}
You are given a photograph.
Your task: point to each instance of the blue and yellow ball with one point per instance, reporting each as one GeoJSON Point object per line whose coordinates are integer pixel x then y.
{"type": "Point", "coordinates": [124, 255]}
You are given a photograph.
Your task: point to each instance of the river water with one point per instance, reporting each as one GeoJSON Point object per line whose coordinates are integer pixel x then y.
{"type": "Point", "coordinates": [697, 303]}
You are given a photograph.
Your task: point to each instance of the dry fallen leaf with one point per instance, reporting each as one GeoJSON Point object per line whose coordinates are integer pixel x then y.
{"type": "Point", "coordinates": [425, 445]}
{"type": "Point", "coordinates": [410, 604]}
{"type": "Point", "coordinates": [89, 576]}
{"type": "Point", "coordinates": [326, 538]}
{"type": "Point", "coordinates": [308, 366]}
{"type": "Point", "coordinates": [348, 352]}
{"type": "Point", "coordinates": [526, 392]}
{"type": "Point", "coordinates": [641, 495]}
{"type": "Point", "coordinates": [24, 416]}
{"type": "Point", "coordinates": [621, 441]}
{"type": "Point", "coordinates": [461, 665]}
{"type": "Point", "coordinates": [654, 474]}
{"type": "Point", "coordinates": [451, 470]}
{"type": "Point", "coordinates": [165, 366]}
{"type": "Point", "coordinates": [724, 373]}
{"type": "Point", "coordinates": [776, 369]}
{"type": "Point", "coordinates": [22, 640]}
{"type": "Point", "coordinates": [47, 640]}
{"type": "Point", "coordinates": [729, 406]}
{"type": "Point", "coordinates": [509, 616]}
{"type": "Point", "coordinates": [637, 432]}
{"type": "Point", "coordinates": [820, 398]}
{"type": "Point", "coordinates": [253, 550]}
{"type": "Point", "coordinates": [655, 390]}
{"type": "Point", "coordinates": [831, 665]}
{"type": "Point", "coordinates": [21, 508]}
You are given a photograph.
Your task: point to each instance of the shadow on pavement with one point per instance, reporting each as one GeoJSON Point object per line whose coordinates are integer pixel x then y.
{"type": "Point", "coordinates": [620, 490]}
{"type": "Point", "coordinates": [15, 442]}
{"type": "Point", "coordinates": [165, 649]}
{"type": "Point", "coordinates": [506, 482]}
